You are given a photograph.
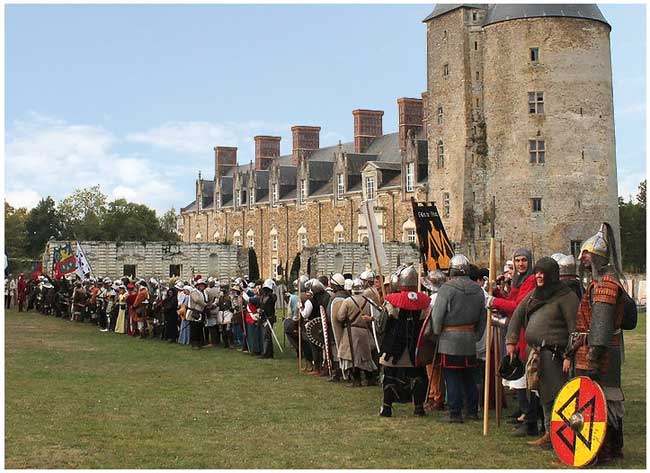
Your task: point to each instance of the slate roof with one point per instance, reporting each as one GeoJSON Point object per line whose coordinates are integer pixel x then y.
{"type": "Point", "coordinates": [498, 12]}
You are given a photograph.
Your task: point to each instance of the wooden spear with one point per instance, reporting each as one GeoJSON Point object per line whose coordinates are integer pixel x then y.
{"type": "Point", "coordinates": [488, 335]}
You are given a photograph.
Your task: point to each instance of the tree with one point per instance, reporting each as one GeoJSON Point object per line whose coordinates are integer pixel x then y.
{"type": "Point", "coordinates": [253, 268]}
{"type": "Point", "coordinates": [633, 232]}
{"type": "Point", "coordinates": [42, 222]}
{"type": "Point", "coordinates": [15, 231]}
{"type": "Point", "coordinates": [127, 221]}
{"type": "Point", "coordinates": [81, 213]}
{"type": "Point", "coordinates": [168, 225]}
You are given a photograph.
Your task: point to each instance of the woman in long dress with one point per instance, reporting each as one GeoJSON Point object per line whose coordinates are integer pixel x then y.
{"type": "Point", "coordinates": [120, 325]}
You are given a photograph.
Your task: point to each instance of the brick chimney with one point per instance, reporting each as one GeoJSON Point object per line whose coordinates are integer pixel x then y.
{"type": "Point", "coordinates": [225, 158]}
{"type": "Point", "coordinates": [266, 148]}
{"type": "Point", "coordinates": [305, 140]}
{"type": "Point", "coordinates": [367, 126]}
{"type": "Point", "coordinates": [411, 117]}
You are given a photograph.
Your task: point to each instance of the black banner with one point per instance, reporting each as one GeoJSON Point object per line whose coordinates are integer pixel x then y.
{"type": "Point", "coordinates": [435, 247]}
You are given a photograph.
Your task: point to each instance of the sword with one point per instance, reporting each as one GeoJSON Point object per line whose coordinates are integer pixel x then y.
{"type": "Point", "coordinates": [374, 327]}
{"type": "Point", "coordinates": [267, 323]}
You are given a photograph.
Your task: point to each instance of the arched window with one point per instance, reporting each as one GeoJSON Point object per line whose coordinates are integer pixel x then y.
{"type": "Point", "coordinates": [273, 234]}
{"type": "Point", "coordinates": [408, 232]}
{"type": "Point", "coordinates": [339, 233]}
{"type": "Point", "coordinates": [302, 238]}
{"type": "Point", "coordinates": [441, 155]}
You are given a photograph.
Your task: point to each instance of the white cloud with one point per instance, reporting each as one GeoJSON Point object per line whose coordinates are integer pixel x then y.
{"type": "Point", "coordinates": [201, 137]}
{"type": "Point", "coordinates": [47, 156]}
{"type": "Point", "coordinates": [628, 183]}
{"type": "Point", "coordinates": [27, 198]}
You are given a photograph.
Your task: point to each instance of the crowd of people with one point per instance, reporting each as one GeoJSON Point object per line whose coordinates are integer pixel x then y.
{"type": "Point", "coordinates": [422, 338]}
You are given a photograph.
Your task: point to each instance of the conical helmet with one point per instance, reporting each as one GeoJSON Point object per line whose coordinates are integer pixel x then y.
{"type": "Point", "coordinates": [597, 244]}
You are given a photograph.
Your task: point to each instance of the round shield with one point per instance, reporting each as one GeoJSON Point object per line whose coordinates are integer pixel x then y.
{"type": "Point", "coordinates": [314, 332]}
{"type": "Point", "coordinates": [578, 421]}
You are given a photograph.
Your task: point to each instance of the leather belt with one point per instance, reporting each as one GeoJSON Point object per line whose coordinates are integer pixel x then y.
{"type": "Point", "coordinates": [459, 328]}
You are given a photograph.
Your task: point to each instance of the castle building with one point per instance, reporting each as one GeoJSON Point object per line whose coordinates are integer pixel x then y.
{"type": "Point", "coordinates": [515, 131]}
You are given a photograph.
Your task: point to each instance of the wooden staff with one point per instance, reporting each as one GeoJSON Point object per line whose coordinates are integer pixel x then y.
{"type": "Point", "coordinates": [488, 335]}
{"type": "Point", "coordinates": [299, 331]}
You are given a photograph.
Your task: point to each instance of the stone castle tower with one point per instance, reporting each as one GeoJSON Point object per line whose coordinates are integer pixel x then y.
{"type": "Point", "coordinates": [519, 109]}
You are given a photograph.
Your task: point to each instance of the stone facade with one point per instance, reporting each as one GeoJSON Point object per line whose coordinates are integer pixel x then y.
{"type": "Point", "coordinates": [515, 130]}
{"type": "Point", "coordinates": [296, 201]}
{"type": "Point", "coordinates": [159, 259]}
{"type": "Point", "coordinates": [481, 69]}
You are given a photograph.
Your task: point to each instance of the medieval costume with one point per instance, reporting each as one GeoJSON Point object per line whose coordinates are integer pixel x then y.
{"type": "Point", "coordinates": [548, 314]}
{"type": "Point", "coordinates": [183, 303]}
{"type": "Point", "coordinates": [213, 315]}
{"type": "Point", "coordinates": [353, 335]}
{"type": "Point", "coordinates": [337, 296]}
{"type": "Point", "coordinates": [406, 311]}
{"type": "Point", "coordinates": [599, 339]}
{"type": "Point", "coordinates": [436, 393]}
{"type": "Point", "coordinates": [120, 324]}
{"type": "Point", "coordinates": [196, 311]}
{"type": "Point", "coordinates": [225, 317]}
{"type": "Point", "coordinates": [170, 314]}
{"type": "Point", "coordinates": [79, 299]}
{"type": "Point", "coordinates": [21, 291]}
{"type": "Point", "coordinates": [267, 316]}
{"type": "Point", "coordinates": [140, 308]}
{"type": "Point", "coordinates": [458, 319]}
{"type": "Point", "coordinates": [254, 334]}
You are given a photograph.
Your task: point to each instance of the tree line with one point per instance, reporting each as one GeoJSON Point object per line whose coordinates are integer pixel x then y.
{"type": "Point", "coordinates": [86, 214]}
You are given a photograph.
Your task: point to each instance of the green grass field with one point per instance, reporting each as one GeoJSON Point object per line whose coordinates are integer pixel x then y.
{"type": "Point", "coordinates": [79, 398]}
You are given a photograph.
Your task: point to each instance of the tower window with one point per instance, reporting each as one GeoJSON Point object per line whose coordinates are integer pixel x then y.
{"type": "Point", "coordinates": [445, 70]}
{"type": "Point", "coordinates": [477, 75]}
{"type": "Point", "coordinates": [440, 115]}
{"type": "Point", "coordinates": [534, 54]}
{"type": "Point", "coordinates": [474, 16]}
{"type": "Point", "coordinates": [475, 45]}
{"type": "Point", "coordinates": [537, 151]}
{"type": "Point", "coordinates": [444, 34]}
{"type": "Point", "coordinates": [536, 102]}
{"type": "Point", "coordinates": [441, 155]}
{"type": "Point", "coordinates": [445, 204]}
{"type": "Point", "coordinates": [536, 203]}
{"type": "Point", "coordinates": [575, 247]}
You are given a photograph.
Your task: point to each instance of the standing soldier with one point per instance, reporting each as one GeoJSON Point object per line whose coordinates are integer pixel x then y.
{"type": "Point", "coordinates": [212, 316]}
{"type": "Point", "coordinates": [598, 328]}
{"type": "Point", "coordinates": [459, 321]}
{"type": "Point", "coordinates": [353, 335]}
{"type": "Point", "coordinates": [406, 310]}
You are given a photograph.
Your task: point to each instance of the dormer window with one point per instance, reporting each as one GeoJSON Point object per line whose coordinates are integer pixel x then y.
{"type": "Point", "coordinates": [303, 190]}
{"type": "Point", "coordinates": [340, 186]}
{"type": "Point", "coordinates": [369, 186]}
{"type": "Point", "coordinates": [410, 176]}
{"type": "Point", "coordinates": [274, 194]}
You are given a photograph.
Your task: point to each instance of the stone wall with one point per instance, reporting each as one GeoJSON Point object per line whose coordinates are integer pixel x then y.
{"type": "Point", "coordinates": [154, 259]}
{"type": "Point", "coordinates": [353, 258]}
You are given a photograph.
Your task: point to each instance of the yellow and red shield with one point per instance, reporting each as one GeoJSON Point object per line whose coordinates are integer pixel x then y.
{"type": "Point", "coordinates": [578, 421]}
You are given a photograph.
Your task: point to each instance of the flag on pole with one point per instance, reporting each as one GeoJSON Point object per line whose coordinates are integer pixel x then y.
{"type": "Point", "coordinates": [83, 266]}
{"type": "Point", "coordinates": [435, 247]}
{"type": "Point", "coordinates": [64, 261]}
{"type": "Point", "coordinates": [378, 258]}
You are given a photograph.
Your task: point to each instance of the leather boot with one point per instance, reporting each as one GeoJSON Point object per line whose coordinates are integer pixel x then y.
{"type": "Point", "coordinates": [542, 441]}
{"type": "Point", "coordinates": [419, 410]}
{"type": "Point", "coordinates": [386, 410]}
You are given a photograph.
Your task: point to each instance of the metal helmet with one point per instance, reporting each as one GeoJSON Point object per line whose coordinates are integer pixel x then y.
{"type": "Point", "coordinates": [394, 279]}
{"type": "Point", "coordinates": [434, 280]}
{"type": "Point", "coordinates": [357, 286]}
{"type": "Point", "coordinates": [315, 286]}
{"type": "Point", "coordinates": [368, 275]}
{"type": "Point", "coordinates": [408, 278]}
{"type": "Point", "coordinates": [567, 266]}
{"type": "Point", "coordinates": [302, 283]}
{"type": "Point", "coordinates": [337, 280]}
{"type": "Point", "coordinates": [269, 284]}
{"type": "Point", "coordinates": [597, 244]}
{"type": "Point", "coordinates": [558, 256]}
{"type": "Point", "coordinates": [348, 285]}
{"type": "Point", "coordinates": [458, 265]}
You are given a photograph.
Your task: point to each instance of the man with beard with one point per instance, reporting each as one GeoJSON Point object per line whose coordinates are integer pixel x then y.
{"type": "Point", "coordinates": [598, 349]}
{"type": "Point", "coordinates": [406, 311]}
{"type": "Point", "coordinates": [459, 321]}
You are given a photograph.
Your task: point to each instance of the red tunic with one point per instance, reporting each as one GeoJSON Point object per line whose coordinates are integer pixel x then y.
{"type": "Point", "coordinates": [508, 305]}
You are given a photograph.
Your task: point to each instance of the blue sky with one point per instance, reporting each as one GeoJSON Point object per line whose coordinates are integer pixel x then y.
{"type": "Point", "coordinates": [134, 97]}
